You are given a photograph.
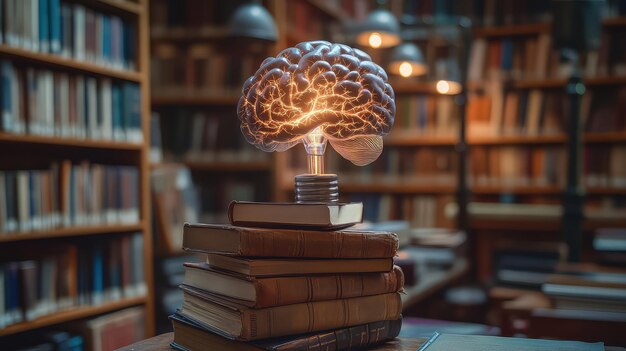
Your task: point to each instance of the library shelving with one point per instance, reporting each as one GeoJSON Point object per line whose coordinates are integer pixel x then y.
{"type": "Point", "coordinates": [42, 213]}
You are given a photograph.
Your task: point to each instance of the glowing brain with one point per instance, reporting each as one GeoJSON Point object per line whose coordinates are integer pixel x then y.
{"type": "Point", "coordinates": [319, 84]}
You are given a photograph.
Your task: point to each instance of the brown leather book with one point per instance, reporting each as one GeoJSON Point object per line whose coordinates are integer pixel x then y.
{"type": "Point", "coordinates": [191, 336]}
{"type": "Point", "coordinates": [242, 323]}
{"type": "Point", "coordinates": [259, 242]}
{"type": "Point", "coordinates": [279, 291]}
{"type": "Point", "coordinates": [266, 267]}
{"type": "Point", "coordinates": [320, 216]}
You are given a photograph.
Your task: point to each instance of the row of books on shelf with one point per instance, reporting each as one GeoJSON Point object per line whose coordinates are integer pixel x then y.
{"type": "Point", "coordinates": [427, 114]}
{"type": "Point", "coordinates": [70, 275]}
{"type": "Point", "coordinates": [421, 211]}
{"type": "Point", "coordinates": [603, 165]}
{"type": "Point", "coordinates": [200, 71]}
{"type": "Point", "coordinates": [537, 112]}
{"type": "Point", "coordinates": [531, 58]}
{"type": "Point", "coordinates": [525, 112]}
{"type": "Point", "coordinates": [52, 103]}
{"type": "Point", "coordinates": [517, 166]}
{"type": "Point", "coordinates": [304, 20]}
{"type": "Point", "coordinates": [70, 30]}
{"type": "Point", "coordinates": [200, 137]}
{"type": "Point", "coordinates": [106, 332]}
{"type": "Point", "coordinates": [68, 195]}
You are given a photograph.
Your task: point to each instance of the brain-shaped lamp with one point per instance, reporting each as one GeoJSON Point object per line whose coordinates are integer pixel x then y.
{"type": "Point", "coordinates": [318, 91]}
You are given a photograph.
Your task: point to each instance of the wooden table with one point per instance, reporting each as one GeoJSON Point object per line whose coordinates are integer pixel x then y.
{"type": "Point", "coordinates": [162, 343]}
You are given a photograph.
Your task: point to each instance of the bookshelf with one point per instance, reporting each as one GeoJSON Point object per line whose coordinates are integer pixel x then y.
{"type": "Point", "coordinates": [33, 152]}
{"type": "Point", "coordinates": [602, 76]}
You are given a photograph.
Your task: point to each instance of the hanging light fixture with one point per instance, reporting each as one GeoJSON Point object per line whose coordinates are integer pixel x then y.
{"type": "Point", "coordinates": [448, 77]}
{"type": "Point", "coordinates": [407, 60]}
{"type": "Point", "coordinates": [252, 20]}
{"type": "Point", "coordinates": [380, 30]}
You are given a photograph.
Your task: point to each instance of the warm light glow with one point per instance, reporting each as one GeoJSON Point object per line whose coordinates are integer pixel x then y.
{"type": "Point", "coordinates": [406, 69]}
{"type": "Point", "coordinates": [315, 92]}
{"type": "Point", "coordinates": [315, 145]}
{"type": "Point", "coordinates": [375, 40]}
{"type": "Point", "coordinates": [443, 87]}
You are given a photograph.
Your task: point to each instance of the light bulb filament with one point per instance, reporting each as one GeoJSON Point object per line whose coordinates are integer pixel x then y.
{"type": "Point", "coordinates": [315, 145]}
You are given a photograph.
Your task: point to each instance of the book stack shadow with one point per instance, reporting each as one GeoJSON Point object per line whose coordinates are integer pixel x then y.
{"type": "Point", "coordinates": [289, 277]}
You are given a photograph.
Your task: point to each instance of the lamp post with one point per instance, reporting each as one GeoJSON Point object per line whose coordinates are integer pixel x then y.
{"type": "Point", "coordinates": [576, 27]}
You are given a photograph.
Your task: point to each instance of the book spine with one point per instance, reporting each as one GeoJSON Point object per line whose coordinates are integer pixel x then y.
{"type": "Point", "coordinates": [308, 244]}
{"type": "Point", "coordinates": [310, 317]}
{"type": "Point", "coordinates": [283, 291]}
{"type": "Point", "coordinates": [353, 338]}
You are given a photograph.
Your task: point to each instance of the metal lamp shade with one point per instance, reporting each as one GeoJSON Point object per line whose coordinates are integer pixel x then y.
{"type": "Point", "coordinates": [253, 21]}
{"type": "Point", "coordinates": [385, 24]}
{"type": "Point", "coordinates": [407, 53]}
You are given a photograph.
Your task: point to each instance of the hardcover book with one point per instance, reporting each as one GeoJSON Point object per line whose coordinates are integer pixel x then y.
{"type": "Point", "coordinates": [322, 216]}
{"type": "Point", "coordinates": [260, 242]}
{"type": "Point", "coordinates": [264, 267]}
{"type": "Point", "coordinates": [192, 336]}
{"type": "Point", "coordinates": [239, 322]}
{"type": "Point", "coordinates": [279, 291]}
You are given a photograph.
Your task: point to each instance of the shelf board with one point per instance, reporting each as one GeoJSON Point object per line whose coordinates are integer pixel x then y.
{"type": "Point", "coordinates": [411, 138]}
{"type": "Point", "coordinates": [229, 166]}
{"type": "Point", "coordinates": [517, 139]}
{"type": "Point", "coordinates": [395, 187]}
{"type": "Point", "coordinates": [614, 21]}
{"type": "Point", "coordinates": [70, 231]}
{"type": "Point", "coordinates": [522, 190]}
{"type": "Point", "coordinates": [121, 5]}
{"type": "Point", "coordinates": [605, 137]}
{"type": "Point", "coordinates": [69, 63]}
{"type": "Point", "coordinates": [415, 87]}
{"type": "Point", "coordinates": [193, 99]}
{"type": "Point", "coordinates": [69, 142]}
{"type": "Point", "coordinates": [433, 281]}
{"type": "Point", "coordinates": [605, 191]}
{"type": "Point", "coordinates": [71, 314]}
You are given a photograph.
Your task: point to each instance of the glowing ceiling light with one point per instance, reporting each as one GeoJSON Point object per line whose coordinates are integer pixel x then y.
{"type": "Point", "coordinates": [406, 69]}
{"type": "Point", "coordinates": [443, 87]}
{"type": "Point", "coordinates": [375, 40]}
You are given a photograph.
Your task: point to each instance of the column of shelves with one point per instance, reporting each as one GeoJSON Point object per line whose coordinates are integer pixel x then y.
{"type": "Point", "coordinates": [28, 151]}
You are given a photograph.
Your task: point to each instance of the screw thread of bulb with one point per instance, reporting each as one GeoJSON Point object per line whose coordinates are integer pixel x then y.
{"type": "Point", "coordinates": [317, 188]}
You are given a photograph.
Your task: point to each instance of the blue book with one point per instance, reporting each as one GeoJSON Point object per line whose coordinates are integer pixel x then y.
{"type": "Point", "coordinates": [129, 40]}
{"type": "Point", "coordinates": [11, 199]}
{"type": "Point", "coordinates": [132, 111]}
{"type": "Point", "coordinates": [54, 22]}
{"type": "Point", "coordinates": [119, 125]}
{"type": "Point", "coordinates": [32, 200]}
{"type": "Point", "coordinates": [6, 71]}
{"type": "Point", "coordinates": [97, 274]}
{"type": "Point", "coordinates": [106, 39]}
{"type": "Point", "coordinates": [506, 61]}
{"type": "Point", "coordinates": [44, 26]}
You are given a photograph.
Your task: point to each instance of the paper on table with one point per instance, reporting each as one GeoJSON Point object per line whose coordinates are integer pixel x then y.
{"type": "Point", "coordinates": [446, 342]}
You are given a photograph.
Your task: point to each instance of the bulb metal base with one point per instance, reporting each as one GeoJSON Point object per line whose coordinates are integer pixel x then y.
{"type": "Point", "coordinates": [317, 188]}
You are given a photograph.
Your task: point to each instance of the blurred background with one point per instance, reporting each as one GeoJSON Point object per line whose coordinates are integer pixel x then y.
{"type": "Point", "coordinates": [504, 174]}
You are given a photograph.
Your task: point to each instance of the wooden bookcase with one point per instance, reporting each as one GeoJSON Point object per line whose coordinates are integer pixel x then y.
{"type": "Point", "coordinates": [26, 151]}
{"type": "Point", "coordinates": [491, 233]}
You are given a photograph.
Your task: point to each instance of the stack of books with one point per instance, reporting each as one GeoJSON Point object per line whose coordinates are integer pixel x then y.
{"type": "Point", "coordinates": [289, 277]}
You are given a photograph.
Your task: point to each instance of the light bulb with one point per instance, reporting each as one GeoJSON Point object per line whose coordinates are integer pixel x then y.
{"type": "Point", "coordinates": [315, 145]}
{"type": "Point", "coordinates": [406, 69]}
{"type": "Point", "coordinates": [443, 87]}
{"type": "Point", "coordinates": [375, 40]}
